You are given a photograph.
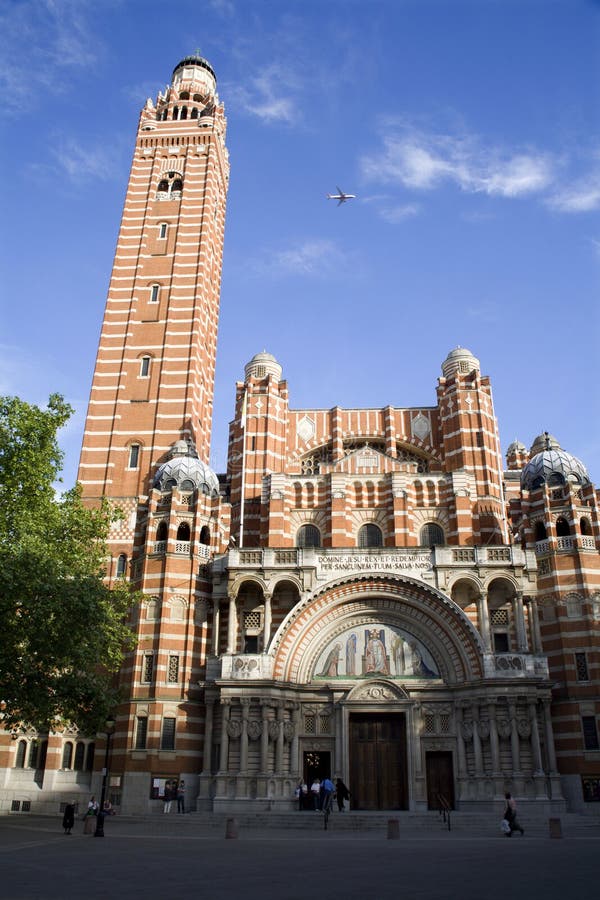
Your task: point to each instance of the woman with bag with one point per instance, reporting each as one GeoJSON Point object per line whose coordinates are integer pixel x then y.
{"type": "Point", "coordinates": [510, 817]}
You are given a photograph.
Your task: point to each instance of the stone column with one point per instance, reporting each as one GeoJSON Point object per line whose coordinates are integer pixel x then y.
{"type": "Point", "coordinates": [232, 626]}
{"type": "Point", "coordinates": [536, 749]}
{"type": "Point", "coordinates": [216, 627]}
{"type": "Point", "coordinates": [494, 742]}
{"type": "Point", "coordinates": [279, 740]}
{"type": "Point", "coordinates": [534, 624]}
{"type": "Point", "coordinates": [294, 761]}
{"type": "Point", "coordinates": [515, 746]}
{"type": "Point", "coordinates": [264, 739]}
{"type": "Point", "coordinates": [339, 727]}
{"type": "Point", "coordinates": [460, 750]}
{"type": "Point", "coordinates": [245, 703]}
{"type": "Point", "coordinates": [224, 755]}
{"type": "Point", "coordinates": [484, 621]}
{"type": "Point", "coordinates": [267, 622]}
{"type": "Point", "coordinates": [549, 735]}
{"type": "Point", "coordinates": [519, 618]}
{"type": "Point", "coordinates": [208, 734]}
{"type": "Point", "coordinates": [477, 742]}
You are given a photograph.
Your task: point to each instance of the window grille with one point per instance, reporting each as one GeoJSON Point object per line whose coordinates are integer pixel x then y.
{"type": "Point", "coordinates": [173, 674]}
{"type": "Point", "coordinates": [590, 733]}
{"type": "Point", "coordinates": [370, 536]}
{"type": "Point", "coordinates": [147, 668]}
{"type": "Point", "coordinates": [167, 738]}
{"type": "Point", "coordinates": [324, 724]}
{"type": "Point", "coordinates": [581, 667]}
{"type": "Point", "coordinates": [310, 724]}
{"type": "Point", "coordinates": [444, 723]}
{"type": "Point", "coordinates": [308, 536]}
{"type": "Point", "coordinates": [499, 617]}
{"type": "Point", "coordinates": [15, 806]}
{"type": "Point", "coordinates": [429, 724]}
{"type": "Point", "coordinates": [573, 607]}
{"type": "Point", "coordinates": [431, 535]}
{"type": "Point", "coordinates": [141, 732]}
{"type": "Point", "coordinates": [26, 806]}
{"type": "Point", "coordinates": [252, 621]}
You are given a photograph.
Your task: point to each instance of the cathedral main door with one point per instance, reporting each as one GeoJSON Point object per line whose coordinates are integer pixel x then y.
{"type": "Point", "coordinates": [378, 768]}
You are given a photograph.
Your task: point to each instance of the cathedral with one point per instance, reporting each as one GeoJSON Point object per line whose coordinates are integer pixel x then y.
{"type": "Point", "coordinates": [372, 594]}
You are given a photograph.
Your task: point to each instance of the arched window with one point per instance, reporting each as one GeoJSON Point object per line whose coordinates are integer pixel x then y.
{"type": "Point", "coordinates": [162, 531]}
{"type": "Point", "coordinates": [145, 367]}
{"type": "Point", "coordinates": [197, 98]}
{"type": "Point", "coordinates": [186, 485]}
{"type": "Point", "coordinates": [162, 231]}
{"type": "Point", "coordinates": [183, 114]}
{"type": "Point", "coordinates": [34, 750]}
{"type": "Point", "coordinates": [194, 113]}
{"type": "Point", "coordinates": [205, 535]}
{"type": "Point", "coordinates": [562, 527]}
{"type": "Point", "coordinates": [20, 755]}
{"type": "Point", "coordinates": [177, 185]}
{"type": "Point", "coordinates": [121, 565]}
{"type": "Point", "coordinates": [585, 526]}
{"type": "Point", "coordinates": [89, 759]}
{"type": "Point", "coordinates": [67, 757]}
{"type": "Point", "coordinates": [154, 292]}
{"type": "Point", "coordinates": [79, 756]}
{"type": "Point", "coordinates": [308, 536]}
{"type": "Point", "coordinates": [183, 532]}
{"type": "Point", "coordinates": [539, 531]}
{"type": "Point", "coordinates": [163, 185]}
{"type": "Point", "coordinates": [41, 762]}
{"type": "Point", "coordinates": [184, 95]}
{"type": "Point", "coordinates": [555, 478]}
{"type": "Point", "coordinates": [370, 536]}
{"type": "Point", "coordinates": [431, 535]}
{"type": "Point", "coordinates": [175, 112]}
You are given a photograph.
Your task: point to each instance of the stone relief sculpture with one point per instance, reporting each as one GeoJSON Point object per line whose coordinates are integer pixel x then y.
{"type": "Point", "coordinates": [385, 650]}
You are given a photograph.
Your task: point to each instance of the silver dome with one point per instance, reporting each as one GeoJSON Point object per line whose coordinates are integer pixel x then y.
{"type": "Point", "coordinates": [553, 467]}
{"type": "Point", "coordinates": [186, 472]}
{"type": "Point", "coordinates": [261, 365]}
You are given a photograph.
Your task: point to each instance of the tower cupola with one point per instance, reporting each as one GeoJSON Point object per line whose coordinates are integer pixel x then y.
{"type": "Point", "coordinates": [261, 365]}
{"type": "Point", "coordinates": [196, 74]}
{"type": "Point", "coordinates": [460, 360]}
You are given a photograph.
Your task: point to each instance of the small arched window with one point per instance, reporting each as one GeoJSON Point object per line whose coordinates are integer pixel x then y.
{"type": "Point", "coordinates": [162, 231]}
{"type": "Point", "coordinates": [194, 113]}
{"type": "Point", "coordinates": [197, 98]}
{"type": "Point", "coordinates": [539, 531]}
{"type": "Point", "coordinates": [205, 535]}
{"type": "Point", "coordinates": [183, 532]}
{"type": "Point", "coordinates": [34, 750]}
{"type": "Point", "coordinates": [154, 293]}
{"type": "Point", "coordinates": [585, 526]}
{"type": "Point", "coordinates": [183, 114]}
{"type": "Point", "coordinates": [184, 95]}
{"type": "Point", "coordinates": [21, 754]}
{"type": "Point", "coordinates": [89, 759]}
{"type": "Point", "coordinates": [163, 185]}
{"type": "Point", "coordinates": [555, 478]}
{"type": "Point", "coordinates": [370, 536]}
{"type": "Point", "coordinates": [186, 485]}
{"type": "Point", "coordinates": [79, 756]}
{"type": "Point", "coordinates": [432, 535]}
{"type": "Point", "coordinates": [177, 185]}
{"type": "Point", "coordinates": [121, 565]}
{"type": "Point", "coordinates": [308, 536]}
{"type": "Point", "coordinates": [562, 527]}
{"type": "Point", "coordinates": [175, 112]}
{"type": "Point", "coordinates": [161, 531]}
{"type": "Point", "coordinates": [67, 757]}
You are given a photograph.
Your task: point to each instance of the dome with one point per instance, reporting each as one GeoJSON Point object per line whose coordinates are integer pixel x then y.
{"type": "Point", "coordinates": [195, 60]}
{"type": "Point", "coordinates": [184, 466]}
{"type": "Point", "coordinates": [516, 447]}
{"type": "Point", "coordinates": [544, 441]}
{"type": "Point", "coordinates": [553, 466]}
{"type": "Point", "coordinates": [261, 365]}
{"type": "Point", "coordinates": [460, 360]}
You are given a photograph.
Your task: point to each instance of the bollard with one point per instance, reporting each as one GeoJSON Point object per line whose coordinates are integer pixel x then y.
{"type": "Point", "coordinates": [231, 828]}
{"type": "Point", "coordinates": [393, 829]}
{"type": "Point", "coordinates": [555, 828]}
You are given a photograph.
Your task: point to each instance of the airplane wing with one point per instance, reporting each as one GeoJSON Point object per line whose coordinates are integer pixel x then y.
{"type": "Point", "coordinates": [341, 200]}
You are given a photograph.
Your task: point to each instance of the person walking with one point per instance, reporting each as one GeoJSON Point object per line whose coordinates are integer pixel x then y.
{"type": "Point", "coordinates": [167, 797]}
{"type": "Point", "coordinates": [181, 797]}
{"type": "Point", "coordinates": [327, 792]}
{"type": "Point", "coordinates": [315, 790]}
{"type": "Point", "coordinates": [69, 817]}
{"type": "Point", "coordinates": [342, 793]}
{"type": "Point", "coordinates": [510, 814]}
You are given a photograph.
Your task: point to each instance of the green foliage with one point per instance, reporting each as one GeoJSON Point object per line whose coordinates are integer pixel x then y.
{"type": "Point", "coordinates": [62, 631]}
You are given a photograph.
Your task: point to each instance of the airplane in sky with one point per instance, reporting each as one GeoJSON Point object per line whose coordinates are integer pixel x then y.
{"type": "Point", "coordinates": [341, 197]}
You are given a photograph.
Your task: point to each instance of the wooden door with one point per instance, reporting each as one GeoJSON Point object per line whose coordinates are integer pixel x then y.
{"type": "Point", "coordinates": [440, 778]}
{"type": "Point", "coordinates": [378, 770]}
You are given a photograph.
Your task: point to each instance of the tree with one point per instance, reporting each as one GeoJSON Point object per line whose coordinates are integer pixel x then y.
{"type": "Point", "coordinates": [63, 632]}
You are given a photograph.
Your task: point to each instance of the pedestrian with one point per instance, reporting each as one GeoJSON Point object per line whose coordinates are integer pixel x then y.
{"type": "Point", "coordinates": [510, 814]}
{"type": "Point", "coordinates": [315, 790]}
{"type": "Point", "coordinates": [69, 817]}
{"type": "Point", "coordinates": [181, 797]}
{"type": "Point", "coordinates": [342, 793]}
{"type": "Point", "coordinates": [167, 797]}
{"type": "Point", "coordinates": [92, 809]}
{"type": "Point", "coordinates": [327, 792]}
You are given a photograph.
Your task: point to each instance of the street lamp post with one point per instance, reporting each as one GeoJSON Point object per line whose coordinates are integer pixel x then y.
{"type": "Point", "coordinates": [109, 727]}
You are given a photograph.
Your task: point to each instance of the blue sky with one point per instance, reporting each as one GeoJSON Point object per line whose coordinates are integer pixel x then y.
{"type": "Point", "coordinates": [468, 130]}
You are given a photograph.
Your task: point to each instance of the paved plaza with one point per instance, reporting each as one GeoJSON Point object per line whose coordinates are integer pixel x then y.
{"type": "Point", "coordinates": [156, 858]}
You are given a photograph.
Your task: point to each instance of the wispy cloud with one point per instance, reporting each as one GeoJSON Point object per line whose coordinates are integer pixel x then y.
{"type": "Point", "coordinates": [271, 96]}
{"type": "Point", "coordinates": [581, 196]}
{"type": "Point", "coordinates": [422, 161]}
{"type": "Point", "coordinates": [54, 37]}
{"type": "Point", "coordinates": [82, 163]}
{"type": "Point", "coordinates": [321, 258]}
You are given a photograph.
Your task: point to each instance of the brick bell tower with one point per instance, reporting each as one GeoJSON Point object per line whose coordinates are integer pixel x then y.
{"type": "Point", "coordinates": [147, 436]}
{"type": "Point", "coordinates": [154, 376]}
